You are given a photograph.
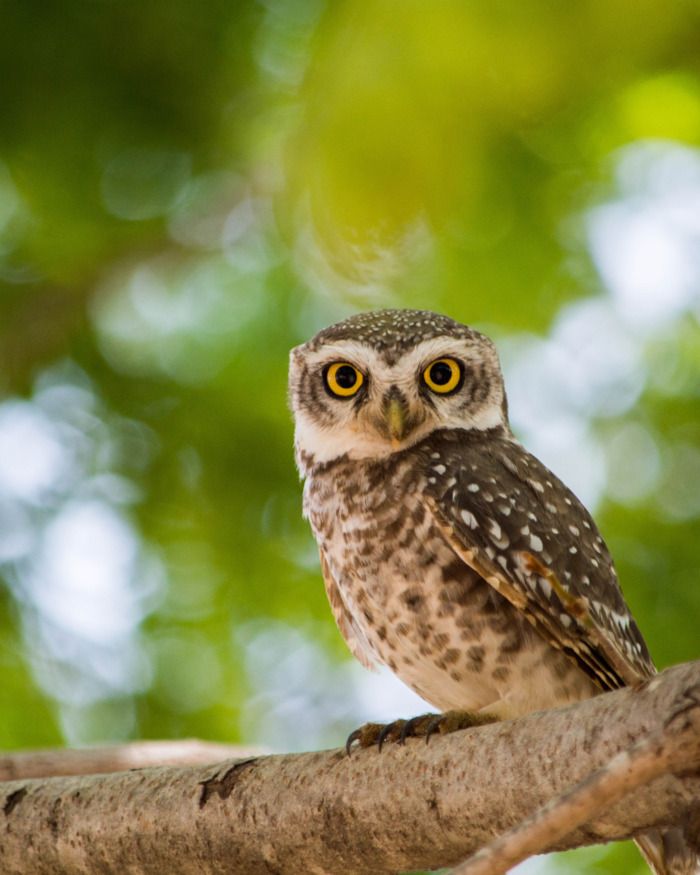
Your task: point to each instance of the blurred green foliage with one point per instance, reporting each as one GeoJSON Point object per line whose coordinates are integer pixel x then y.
{"type": "Point", "coordinates": [188, 190]}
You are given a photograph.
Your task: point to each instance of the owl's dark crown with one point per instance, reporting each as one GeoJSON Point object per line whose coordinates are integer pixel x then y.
{"type": "Point", "coordinates": [399, 330]}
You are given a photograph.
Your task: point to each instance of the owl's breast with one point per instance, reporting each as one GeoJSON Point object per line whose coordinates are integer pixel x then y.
{"type": "Point", "coordinates": [371, 520]}
{"type": "Point", "coordinates": [373, 527]}
{"type": "Point", "coordinates": [418, 607]}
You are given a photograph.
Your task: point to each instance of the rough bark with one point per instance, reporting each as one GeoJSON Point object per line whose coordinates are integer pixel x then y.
{"type": "Point", "coordinates": [418, 806]}
{"type": "Point", "coordinates": [661, 752]}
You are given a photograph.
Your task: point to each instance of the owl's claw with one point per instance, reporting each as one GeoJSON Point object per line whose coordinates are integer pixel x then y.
{"type": "Point", "coordinates": [434, 726]}
{"type": "Point", "coordinates": [351, 739]}
{"type": "Point", "coordinates": [391, 731]}
{"type": "Point", "coordinates": [417, 726]}
{"type": "Point", "coordinates": [422, 726]}
{"type": "Point", "coordinates": [367, 736]}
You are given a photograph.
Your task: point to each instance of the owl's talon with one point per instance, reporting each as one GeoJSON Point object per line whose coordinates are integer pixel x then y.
{"type": "Point", "coordinates": [367, 736]}
{"type": "Point", "coordinates": [391, 731]}
{"type": "Point", "coordinates": [351, 739]}
{"type": "Point", "coordinates": [414, 727]}
{"type": "Point", "coordinates": [433, 726]}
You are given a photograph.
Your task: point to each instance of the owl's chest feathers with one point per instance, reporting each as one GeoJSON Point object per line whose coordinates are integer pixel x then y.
{"type": "Point", "coordinates": [366, 516]}
{"type": "Point", "coordinates": [376, 534]}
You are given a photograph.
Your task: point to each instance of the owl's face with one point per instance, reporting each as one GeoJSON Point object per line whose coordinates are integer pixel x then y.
{"type": "Point", "coordinates": [381, 381]}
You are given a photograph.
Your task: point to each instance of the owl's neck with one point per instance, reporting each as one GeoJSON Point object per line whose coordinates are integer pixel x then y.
{"type": "Point", "coordinates": [319, 456]}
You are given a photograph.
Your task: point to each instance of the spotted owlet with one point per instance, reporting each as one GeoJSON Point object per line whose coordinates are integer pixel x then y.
{"type": "Point", "coordinates": [450, 553]}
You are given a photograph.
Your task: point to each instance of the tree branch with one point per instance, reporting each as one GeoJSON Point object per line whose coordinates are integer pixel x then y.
{"type": "Point", "coordinates": [663, 752]}
{"type": "Point", "coordinates": [117, 758]}
{"type": "Point", "coordinates": [404, 808]}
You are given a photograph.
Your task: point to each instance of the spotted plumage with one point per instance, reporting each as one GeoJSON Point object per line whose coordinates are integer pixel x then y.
{"type": "Point", "coordinates": [450, 553]}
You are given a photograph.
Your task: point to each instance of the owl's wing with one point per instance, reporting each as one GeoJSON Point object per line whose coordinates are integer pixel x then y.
{"type": "Point", "coordinates": [349, 629]}
{"type": "Point", "coordinates": [511, 520]}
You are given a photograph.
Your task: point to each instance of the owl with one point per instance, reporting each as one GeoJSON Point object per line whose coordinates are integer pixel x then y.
{"type": "Point", "coordinates": [449, 553]}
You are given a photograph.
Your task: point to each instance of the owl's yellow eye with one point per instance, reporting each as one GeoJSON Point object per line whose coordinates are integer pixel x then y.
{"type": "Point", "coordinates": [443, 376]}
{"type": "Point", "coordinates": [343, 379]}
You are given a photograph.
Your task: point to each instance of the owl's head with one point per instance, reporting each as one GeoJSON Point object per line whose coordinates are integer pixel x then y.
{"type": "Point", "coordinates": [379, 382]}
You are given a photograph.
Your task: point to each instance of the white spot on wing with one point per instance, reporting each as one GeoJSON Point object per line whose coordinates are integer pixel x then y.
{"type": "Point", "coordinates": [536, 543]}
{"type": "Point", "coordinates": [469, 519]}
{"type": "Point", "coordinates": [500, 540]}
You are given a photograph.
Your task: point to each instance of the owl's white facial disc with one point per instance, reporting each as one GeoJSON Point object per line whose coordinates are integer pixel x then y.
{"type": "Point", "coordinates": [394, 406]}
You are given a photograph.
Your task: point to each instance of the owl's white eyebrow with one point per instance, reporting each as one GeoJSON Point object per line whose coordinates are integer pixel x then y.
{"type": "Point", "coordinates": [365, 356]}
{"type": "Point", "coordinates": [358, 353]}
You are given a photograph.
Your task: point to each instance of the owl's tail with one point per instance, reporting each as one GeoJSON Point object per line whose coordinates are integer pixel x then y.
{"type": "Point", "coordinates": [668, 853]}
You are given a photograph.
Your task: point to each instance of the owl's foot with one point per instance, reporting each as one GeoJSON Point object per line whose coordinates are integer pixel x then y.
{"type": "Point", "coordinates": [422, 726]}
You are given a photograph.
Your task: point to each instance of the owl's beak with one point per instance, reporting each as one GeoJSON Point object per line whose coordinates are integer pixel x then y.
{"type": "Point", "coordinates": [396, 420]}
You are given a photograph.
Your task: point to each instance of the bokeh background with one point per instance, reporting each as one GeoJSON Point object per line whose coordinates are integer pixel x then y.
{"type": "Point", "coordinates": [189, 189]}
